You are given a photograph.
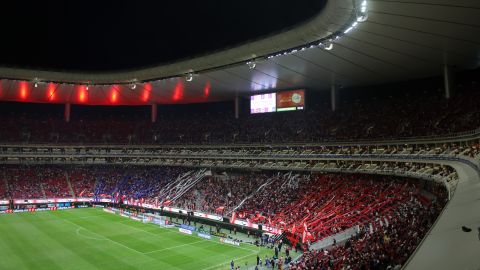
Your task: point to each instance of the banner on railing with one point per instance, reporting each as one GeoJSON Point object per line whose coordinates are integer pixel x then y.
{"type": "Point", "coordinates": [229, 241]}
{"type": "Point", "coordinates": [56, 200]}
{"type": "Point", "coordinates": [150, 206]}
{"type": "Point", "coordinates": [185, 231]}
{"type": "Point", "coordinates": [204, 235]}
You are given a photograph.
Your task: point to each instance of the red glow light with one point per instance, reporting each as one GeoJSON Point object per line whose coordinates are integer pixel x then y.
{"type": "Point", "coordinates": [178, 92]}
{"type": "Point", "coordinates": [206, 90]}
{"type": "Point", "coordinates": [51, 91]}
{"type": "Point", "coordinates": [23, 90]}
{"type": "Point", "coordinates": [82, 93]}
{"type": "Point", "coordinates": [146, 92]}
{"type": "Point", "coordinates": [113, 94]}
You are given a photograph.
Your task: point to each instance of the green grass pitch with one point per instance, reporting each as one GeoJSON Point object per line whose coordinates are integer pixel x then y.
{"type": "Point", "coordinates": [93, 239]}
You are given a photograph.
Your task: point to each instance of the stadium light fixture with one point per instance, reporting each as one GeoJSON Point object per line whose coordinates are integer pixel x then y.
{"type": "Point", "coordinates": [251, 64]}
{"type": "Point", "coordinates": [363, 7]}
{"type": "Point", "coordinates": [362, 12]}
{"type": "Point", "coordinates": [326, 43]}
{"type": "Point", "coordinates": [189, 77]}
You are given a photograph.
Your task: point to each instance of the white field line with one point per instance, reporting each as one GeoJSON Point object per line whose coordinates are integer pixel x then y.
{"type": "Point", "coordinates": [104, 238]}
{"type": "Point", "coordinates": [157, 235]}
{"type": "Point", "coordinates": [173, 231]}
{"type": "Point", "coordinates": [235, 259]}
{"type": "Point", "coordinates": [140, 230]}
{"type": "Point", "coordinates": [88, 237]}
{"type": "Point", "coordinates": [115, 242]}
{"type": "Point", "coordinates": [84, 217]}
{"type": "Point", "coordinates": [174, 247]}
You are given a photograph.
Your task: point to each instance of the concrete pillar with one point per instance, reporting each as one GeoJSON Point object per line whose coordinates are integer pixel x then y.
{"type": "Point", "coordinates": [448, 81]}
{"type": "Point", "coordinates": [154, 112]}
{"type": "Point", "coordinates": [334, 97]}
{"type": "Point", "coordinates": [67, 111]}
{"type": "Point", "coordinates": [237, 107]}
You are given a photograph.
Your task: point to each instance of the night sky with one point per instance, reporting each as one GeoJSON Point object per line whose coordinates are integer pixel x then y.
{"type": "Point", "coordinates": [116, 35]}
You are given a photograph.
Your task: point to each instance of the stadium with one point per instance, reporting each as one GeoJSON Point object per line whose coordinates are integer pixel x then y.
{"type": "Point", "coordinates": [325, 135]}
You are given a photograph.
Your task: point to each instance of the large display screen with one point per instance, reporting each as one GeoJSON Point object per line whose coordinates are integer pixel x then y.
{"type": "Point", "coordinates": [290, 100]}
{"type": "Point", "coordinates": [277, 102]}
{"type": "Point", "coordinates": [263, 103]}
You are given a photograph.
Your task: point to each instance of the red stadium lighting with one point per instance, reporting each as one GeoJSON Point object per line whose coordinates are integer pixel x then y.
{"type": "Point", "coordinates": [23, 87]}
{"type": "Point", "coordinates": [82, 93]}
{"type": "Point", "coordinates": [178, 92]}
{"type": "Point", "coordinates": [51, 91]}
{"type": "Point", "coordinates": [206, 90]}
{"type": "Point", "coordinates": [146, 92]}
{"type": "Point", "coordinates": [114, 94]}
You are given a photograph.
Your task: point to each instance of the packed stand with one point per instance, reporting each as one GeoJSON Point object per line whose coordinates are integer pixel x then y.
{"type": "Point", "coordinates": [83, 182]}
{"type": "Point", "coordinates": [385, 247]}
{"type": "Point", "coordinates": [54, 183]}
{"type": "Point", "coordinates": [122, 183]}
{"type": "Point", "coordinates": [328, 203]}
{"type": "Point", "coordinates": [413, 110]}
{"type": "Point", "coordinates": [23, 182]}
{"type": "Point", "coordinates": [36, 182]}
{"type": "Point", "coordinates": [4, 194]}
{"type": "Point", "coordinates": [221, 194]}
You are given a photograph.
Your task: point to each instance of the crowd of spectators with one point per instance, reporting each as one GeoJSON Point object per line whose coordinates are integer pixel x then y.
{"type": "Point", "coordinates": [329, 203]}
{"type": "Point", "coordinates": [4, 193]}
{"type": "Point", "coordinates": [386, 247]}
{"type": "Point", "coordinates": [221, 195]}
{"type": "Point", "coordinates": [393, 214]}
{"type": "Point", "coordinates": [36, 182]}
{"type": "Point", "coordinates": [23, 182]}
{"type": "Point", "coordinates": [54, 182]}
{"type": "Point", "coordinates": [82, 182]}
{"type": "Point", "coordinates": [403, 113]}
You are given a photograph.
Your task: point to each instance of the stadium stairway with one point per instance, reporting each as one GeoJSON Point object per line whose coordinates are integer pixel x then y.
{"type": "Point", "coordinates": [69, 184]}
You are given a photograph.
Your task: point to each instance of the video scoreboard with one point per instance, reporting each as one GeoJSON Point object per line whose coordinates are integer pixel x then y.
{"type": "Point", "coordinates": [278, 102]}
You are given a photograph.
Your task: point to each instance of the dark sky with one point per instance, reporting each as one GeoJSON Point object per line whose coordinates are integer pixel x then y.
{"type": "Point", "coordinates": [114, 35]}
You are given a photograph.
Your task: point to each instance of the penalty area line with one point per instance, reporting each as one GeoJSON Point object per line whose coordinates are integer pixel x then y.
{"type": "Point", "coordinates": [174, 247]}
{"type": "Point", "coordinates": [106, 238]}
{"type": "Point", "coordinates": [234, 259]}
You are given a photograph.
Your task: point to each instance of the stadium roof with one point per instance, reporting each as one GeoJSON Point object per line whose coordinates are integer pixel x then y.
{"type": "Point", "coordinates": [400, 40]}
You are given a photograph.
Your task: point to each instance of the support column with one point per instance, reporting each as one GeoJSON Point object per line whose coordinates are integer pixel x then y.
{"type": "Point", "coordinates": [334, 97]}
{"type": "Point", "coordinates": [237, 107]}
{"type": "Point", "coordinates": [68, 109]}
{"type": "Point", "coordinates": [448, 81]}
{"type": "Point", "coordinates": [154, 113]}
